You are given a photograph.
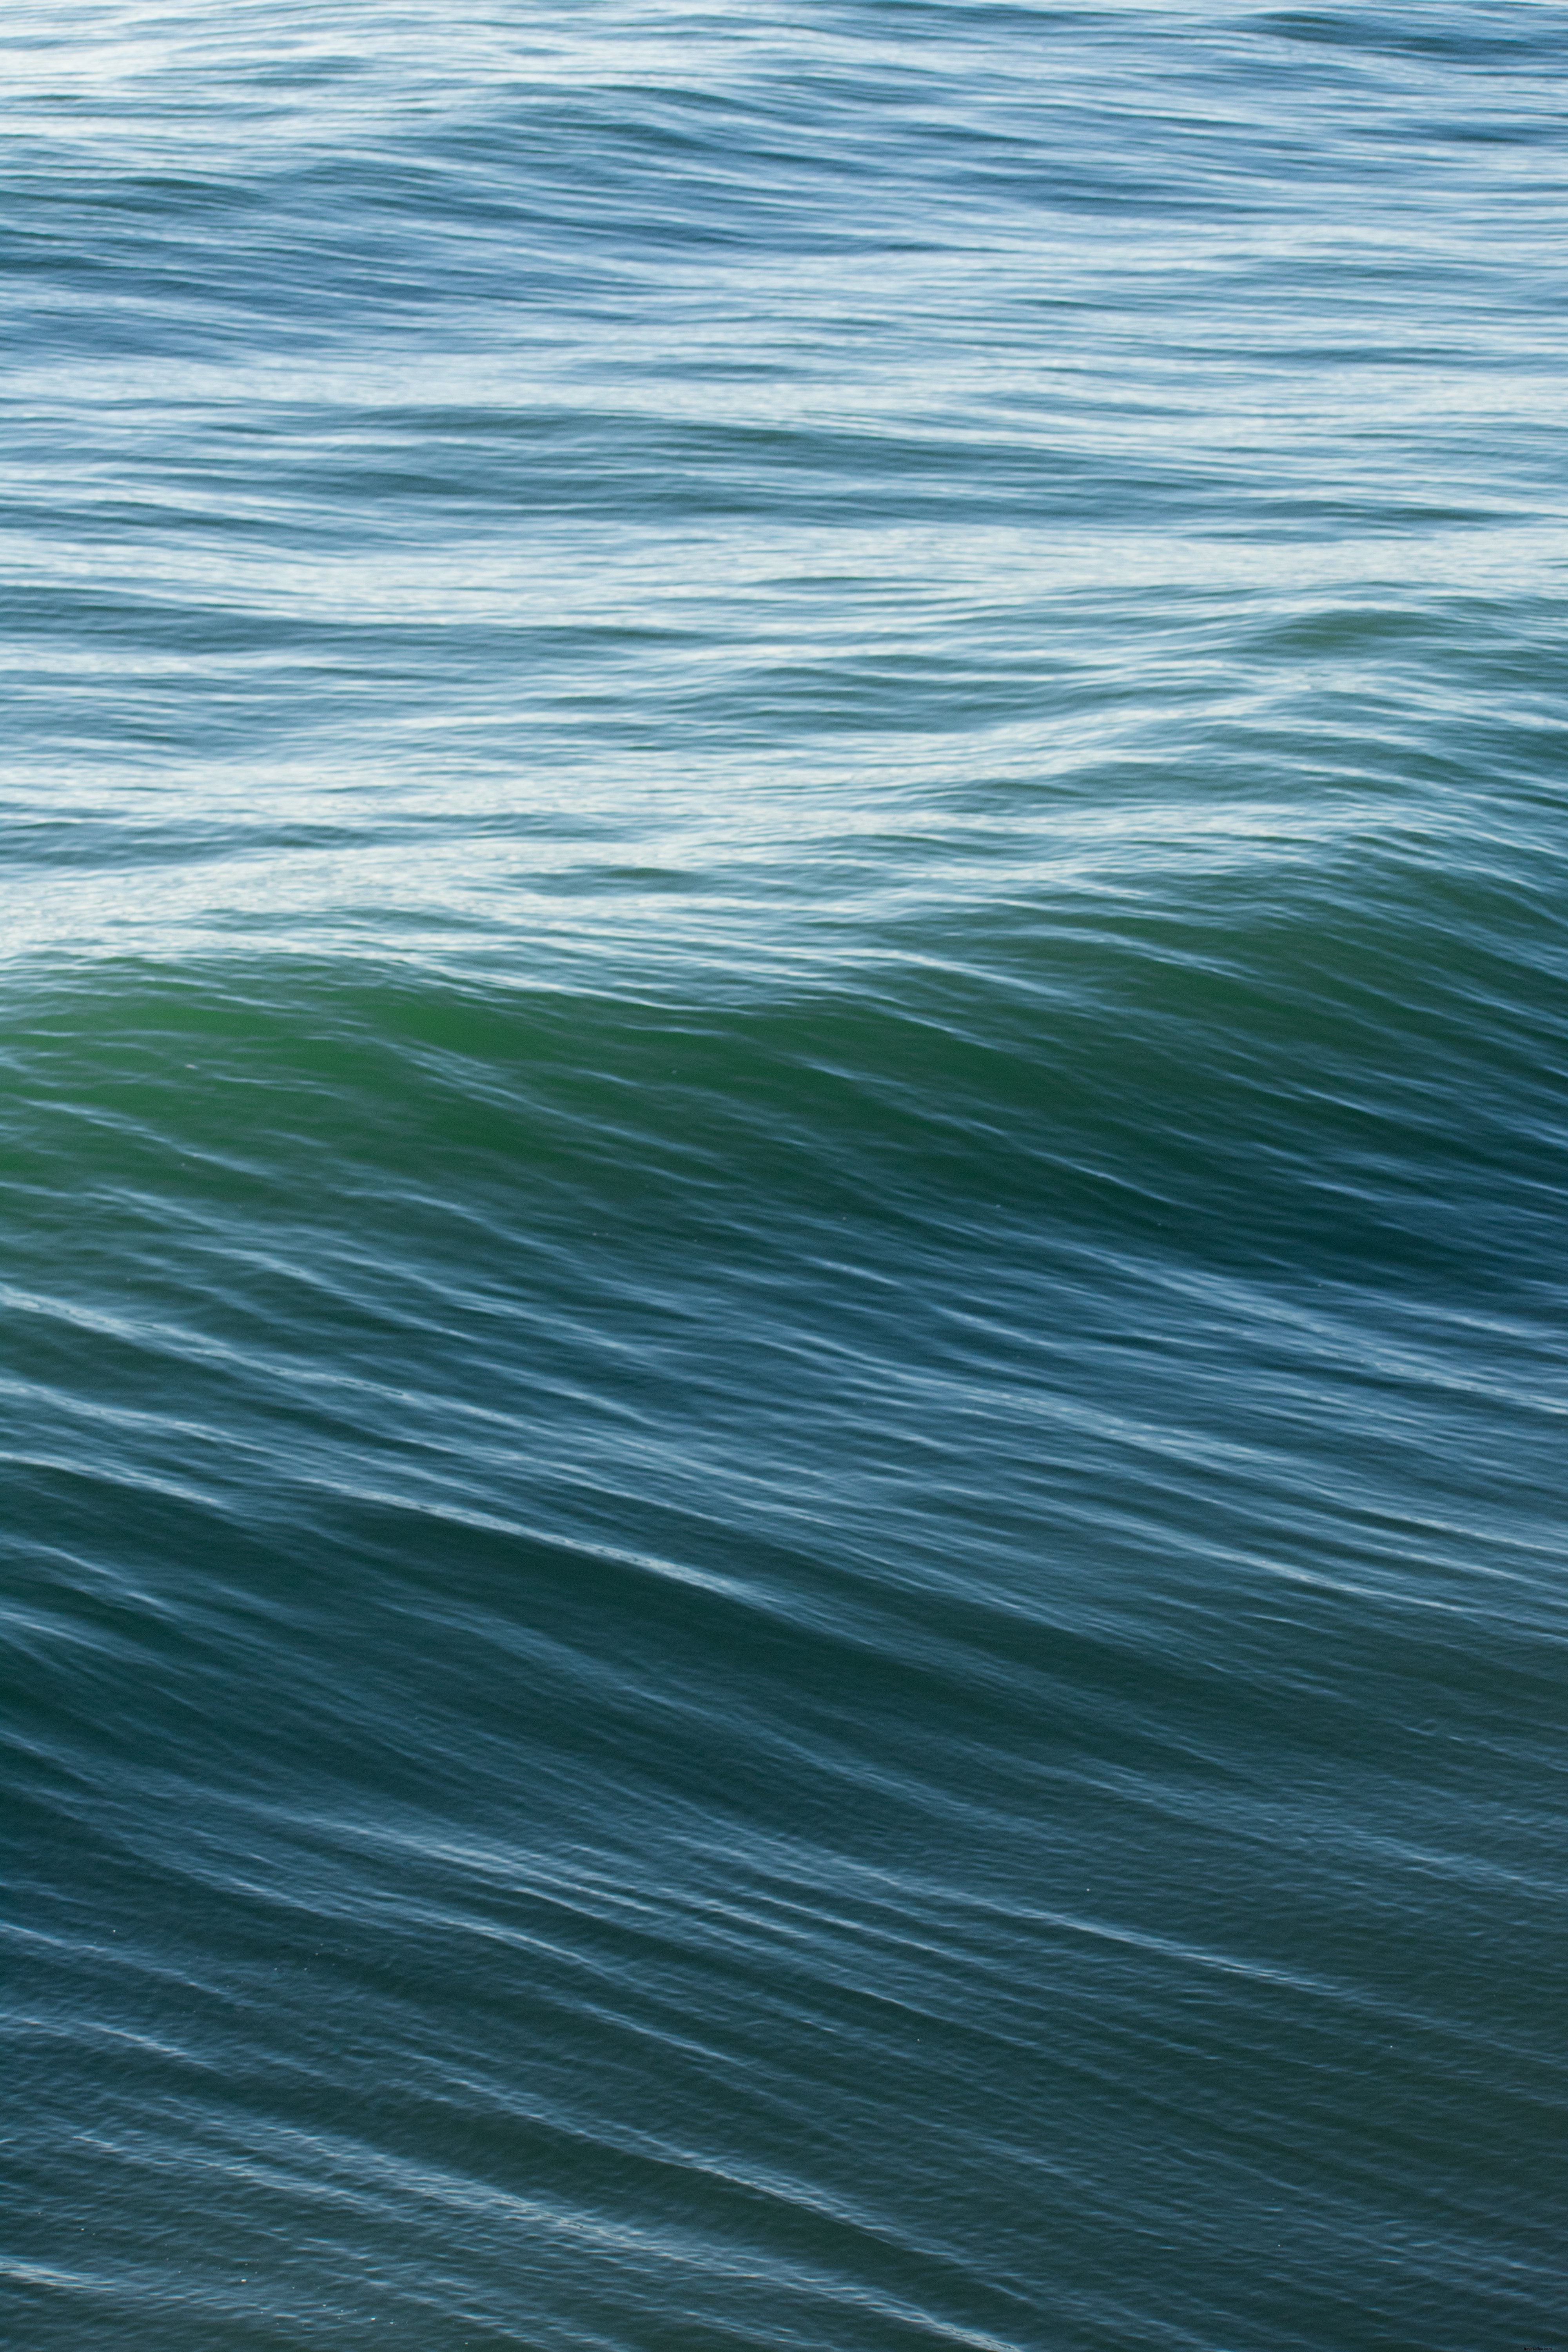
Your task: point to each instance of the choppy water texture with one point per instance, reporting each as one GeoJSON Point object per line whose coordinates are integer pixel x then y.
{"type": "Point", "coordinates": [785, 976]}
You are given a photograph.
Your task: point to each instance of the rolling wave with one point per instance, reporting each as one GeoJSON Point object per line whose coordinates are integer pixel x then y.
{"type": "Point", "coordinates": [784, 1151]}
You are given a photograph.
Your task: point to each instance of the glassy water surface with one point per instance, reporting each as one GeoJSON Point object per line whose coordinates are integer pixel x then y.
{"type": "Point", "coordinates": [784, 961]}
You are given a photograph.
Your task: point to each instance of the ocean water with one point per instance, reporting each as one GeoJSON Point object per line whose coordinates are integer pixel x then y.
{"type": "Point", "coordinates": [783, 1166]}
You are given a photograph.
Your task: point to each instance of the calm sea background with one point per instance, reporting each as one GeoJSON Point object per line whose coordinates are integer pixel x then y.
{"type": "Point", "coordinates": [784, 956]}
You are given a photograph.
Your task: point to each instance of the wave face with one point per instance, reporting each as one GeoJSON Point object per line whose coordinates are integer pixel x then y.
{"type": "Point", "coordinates": [783, 1176]}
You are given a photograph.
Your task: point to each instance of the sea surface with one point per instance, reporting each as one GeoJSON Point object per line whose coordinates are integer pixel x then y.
{"type": "Point", "coordinates": [784, 960]}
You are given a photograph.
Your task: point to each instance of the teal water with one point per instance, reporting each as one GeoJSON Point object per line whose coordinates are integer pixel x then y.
{"type": "Point", "coordinates": [783, 1174]}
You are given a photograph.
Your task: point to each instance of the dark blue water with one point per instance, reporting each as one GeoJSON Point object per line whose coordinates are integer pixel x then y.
{"type": "Point", "coordinates": [783, 1176]}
